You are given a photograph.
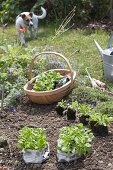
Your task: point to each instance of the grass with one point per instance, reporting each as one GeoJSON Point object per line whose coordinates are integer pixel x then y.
{"type": "Point", "coordinates": [78, 46]}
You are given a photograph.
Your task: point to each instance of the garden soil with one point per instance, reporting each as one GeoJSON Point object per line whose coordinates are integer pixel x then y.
{"type": "Point", "coordinates": [45, 116]}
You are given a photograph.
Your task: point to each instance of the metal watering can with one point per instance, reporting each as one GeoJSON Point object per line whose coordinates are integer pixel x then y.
{"type": "Point", "coordinates": [107, 58]}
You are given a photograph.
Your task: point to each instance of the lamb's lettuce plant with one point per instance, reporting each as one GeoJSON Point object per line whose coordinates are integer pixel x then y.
{"type": "Point", "coordinates": [100, 119]}
{"type": "Point", "coordinates": [32, 138]}
{"type": "Point", "coordinates": [75, 139]}
{"type": "Point", "coordinates": [85, 110]}
{"type": "Point", "coordinates": [73, 105]}
{"type": "Point", "coordinates": [62, 104]}
{"type": "Point", "coordinates": [46, 81]}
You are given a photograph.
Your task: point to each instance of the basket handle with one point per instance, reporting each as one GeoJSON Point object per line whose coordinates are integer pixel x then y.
{"type": "Point", "coordinates": [49, 52]}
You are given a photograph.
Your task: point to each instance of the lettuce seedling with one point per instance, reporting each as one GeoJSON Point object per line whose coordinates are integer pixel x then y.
{"type": "Point", "coordinates": [100, 119]}
{"type": "Point", "coordinates": [73, 105]}
{"type": "Point", "coordinates": [46, 81]}
{"type": "Point", "coordinates": [75, 139]}
{"type": "Point", "coordinates": [32, 138]}
{"type": "Point", "coordinates": [85, 110]}
{"type": "Point", "coordinates": [62, 104]}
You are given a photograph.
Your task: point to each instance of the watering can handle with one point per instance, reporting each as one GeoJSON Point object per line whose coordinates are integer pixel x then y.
{"type": "Point", "coordinates": [99, 48]}
{"type": "Point", "coordinates": [109, 45]}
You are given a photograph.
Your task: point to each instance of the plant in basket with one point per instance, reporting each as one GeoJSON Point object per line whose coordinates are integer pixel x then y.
{"type": "Point", "coordinates": [43, 90]}
{"type": "Point", "coordinates": [99, 123]}
{"type": "Point", "coordinates": [73, 142]}
{"type": "Point", "coordinates": [85, 111]}
{"type": "Point", "coordinates": [60, 107]}
{"type": "Point", "coordinates": [71, 110]}
{"type": "Point", "coordinates": [46, 81]}
{"type": "Point", "coordinates": [34, 145]}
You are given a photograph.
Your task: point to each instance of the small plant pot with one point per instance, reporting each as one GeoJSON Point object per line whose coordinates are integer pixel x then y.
{"type": "Point", "coordinates": [93, 126]}
{"type": "Point", "coordinates": [102, 130]}
{"type": "Point", "coordinates": [71, 114]}
{"type": "Point", "coordinates": [84, 119]}
{"type": "Point", "coordinates": [65, 157]}
{"type": "Point", "coordinates": [35, 156]}
{"type": "Point", "coordinates": [99, 130]}
{"type": "Point", "coordinates": [60, 110]}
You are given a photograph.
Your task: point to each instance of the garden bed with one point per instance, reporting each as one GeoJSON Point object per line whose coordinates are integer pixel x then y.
{"type": "Point", "coordinates": [33, 115]}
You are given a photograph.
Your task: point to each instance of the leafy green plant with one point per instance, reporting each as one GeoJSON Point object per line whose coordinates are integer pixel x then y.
{"type": "Point", "coordinates": [85, 109]}
{"type": "Point", "coordinates": [46, 81]}
{"type": "Point", "coordinates": [62, 104]}
{"type": "Point", "coordinates": [73, 105]}
{"type": "Point", "coordinates": [75, 139]}
{"type": "Point", "coordinates": [34, 139]}
{"type": "Point", "coordinates": [100, 119]}
{"type": "Point", "coordinates": [61, 107]}
{"type": "Point", "coordinates": [14, 65]}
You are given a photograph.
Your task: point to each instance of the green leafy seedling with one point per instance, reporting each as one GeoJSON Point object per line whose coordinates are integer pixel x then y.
{"type": "Point", "coordinates": [75, 139]}
{"type": "Point", "coordinates": [46, 81]}
{"type": "Point", "coordinates": [100, 119]}
{"type": "Point", "coordinates": [62, 104]}
{"type": "Point", "coordinates": [32, 138]}
{"type": "Point", "coordinates": [73, 105]}
{"type": "Point", "coordinates": [85, 110]}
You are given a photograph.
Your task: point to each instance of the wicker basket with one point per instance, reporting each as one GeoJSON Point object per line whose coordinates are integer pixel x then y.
{"type": "Point", "coordinates": [48, 97]}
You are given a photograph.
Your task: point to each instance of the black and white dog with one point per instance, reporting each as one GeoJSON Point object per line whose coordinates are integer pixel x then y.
{"type": "Point", "coordinates": [28, 20]}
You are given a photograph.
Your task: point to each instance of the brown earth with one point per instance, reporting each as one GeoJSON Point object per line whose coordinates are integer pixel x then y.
{"type": "Point", "coordinates": [33, 115]}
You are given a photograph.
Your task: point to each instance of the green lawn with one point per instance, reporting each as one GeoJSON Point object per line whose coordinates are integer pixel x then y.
{"type": "Point", "coordinates": [75, 44]}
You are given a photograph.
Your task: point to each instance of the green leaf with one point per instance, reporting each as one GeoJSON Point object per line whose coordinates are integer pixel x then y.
{"type": "Point", "coordinates": [30, 138]}
{"type": "Point", "coordinates": [75, 138]}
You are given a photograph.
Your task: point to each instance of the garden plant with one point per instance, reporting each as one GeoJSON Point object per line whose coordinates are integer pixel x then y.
{"type": "Point", "coordinates": [85, 111]}
{"type": "Point", "coordinates": [61, 107]}
{"type": "Point", "coordinates": [73, 142]}
{"type": "Point", "coordinates": [100, 123]}
{"type": "Point", "coordinates": [47, 81]}
{"type": "Point", "coordinates": [72, 109]}
{"type": "Point", "coordinates": [34, 145]}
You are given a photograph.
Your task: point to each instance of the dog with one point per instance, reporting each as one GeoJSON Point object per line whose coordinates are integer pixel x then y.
{"type": "Point", "coordinates": [28, 21]}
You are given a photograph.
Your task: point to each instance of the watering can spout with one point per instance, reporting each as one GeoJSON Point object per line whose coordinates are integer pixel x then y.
{"type": "Point", "coordinates": [99, 48]}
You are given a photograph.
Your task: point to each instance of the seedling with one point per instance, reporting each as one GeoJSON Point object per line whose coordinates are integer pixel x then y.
{"type": "Point", "coordinates": [101, 119]}
{"type": "Point", "coordinates": [75, 139]}
{"type": "Point", "coordinates": [71, 110]}
{"type": "Point", "coordinates": [46, 81]}
{"type": "Point", "coordinates": [73, 105]}
{"type": "Point", "coordinates": [60, 107]}
{"type": "Point", "coordinates": [62, 104]}
{"type": "Point", "coordinates": [85, 109]}
{"type": "Point", "coordinates": [34, 139]}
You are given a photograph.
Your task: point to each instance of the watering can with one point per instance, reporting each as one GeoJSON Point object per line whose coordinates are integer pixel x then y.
{"type": "Point", "coordinates": [107, 58]}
